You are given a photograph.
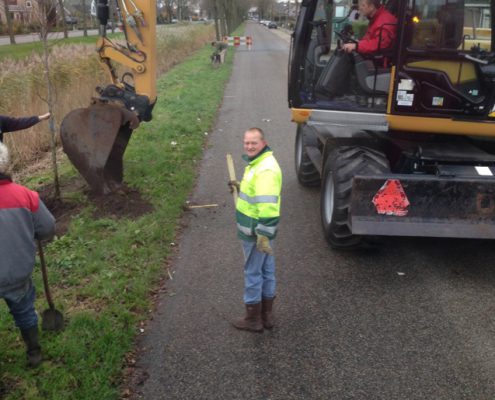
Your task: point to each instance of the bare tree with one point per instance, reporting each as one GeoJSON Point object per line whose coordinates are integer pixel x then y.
{"type": "Point", "coordinates": [216, 17]}
{"type": "Point", "coordinates": [169, 9]}
{"type": "Point", "coordinates": [264, 8]}
{"type": "Point", "coordinates": [9, 21]}
{"type": "Point", "coordinates": [227, 14]}
{"type": "Point", "coordinates": [61, 6]}
{"type": "Point", "coordinates": [113, 13]}
{"type": "Point", "coordinates": [84, 13]}
{"type": "Point", "coordinates": [46, 8]}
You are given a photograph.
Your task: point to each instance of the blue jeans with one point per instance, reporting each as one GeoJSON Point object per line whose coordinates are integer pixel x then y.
{"type": "Point", "coordinates": [259, 274]}
{"type": "Point", "coordinates": [22, 308]}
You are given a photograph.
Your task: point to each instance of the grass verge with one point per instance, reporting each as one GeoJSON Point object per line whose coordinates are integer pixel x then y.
{"type": "Point", "coordinates": [103, 269]}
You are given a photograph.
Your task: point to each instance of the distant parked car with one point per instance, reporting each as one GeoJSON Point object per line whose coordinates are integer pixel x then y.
{"type": "Point", "coordinates": [272, 25]}
{"type": "Point", "coordinates": [70, 20]}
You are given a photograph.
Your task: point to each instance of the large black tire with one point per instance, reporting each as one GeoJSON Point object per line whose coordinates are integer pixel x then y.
{"type": "Point", "coordinates": [306, 172]}
{"type": "Point", "coordinates": [341, 165]}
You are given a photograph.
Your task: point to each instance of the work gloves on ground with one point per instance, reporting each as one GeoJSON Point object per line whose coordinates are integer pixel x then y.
{"type": "Point", "coordinates": [263, 245]}
{"type": "Point", "coordinates": [234, 184]}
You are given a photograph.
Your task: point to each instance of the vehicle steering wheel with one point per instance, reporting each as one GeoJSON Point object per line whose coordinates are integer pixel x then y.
{"type": "Point", "coordinates": [345, 38]}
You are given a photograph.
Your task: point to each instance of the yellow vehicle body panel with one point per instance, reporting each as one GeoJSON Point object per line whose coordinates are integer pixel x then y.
{"type": "Point", "coordinates": [458, 72]}
{"type": "Point", "coordinates": [445, 126]}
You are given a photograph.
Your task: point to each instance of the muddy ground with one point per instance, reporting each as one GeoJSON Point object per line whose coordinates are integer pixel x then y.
{"type": "Point", "coordinates": [127, 202]}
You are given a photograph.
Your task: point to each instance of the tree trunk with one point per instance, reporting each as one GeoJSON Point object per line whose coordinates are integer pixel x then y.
{"type": "Point", "coordinates": [111, 6]}
{"type": "Point", "coordinates": [215, 16]}
{"type": "Point", "coordinates": [62, 14]}
{"type": "Point", "coordinates": [9, 21]}
{"type": "Point", "coordinates": [45, 8]}
{"type": "Point", "coordinates": [227, 15]}
{"type": "Point", "coordinates": [84, 12]}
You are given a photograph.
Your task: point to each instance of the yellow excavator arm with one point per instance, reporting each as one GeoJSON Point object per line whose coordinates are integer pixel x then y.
{"type": "Point", "coordinates": [95, 138]}
{"type": "Point", "coordinates": [138, 18]}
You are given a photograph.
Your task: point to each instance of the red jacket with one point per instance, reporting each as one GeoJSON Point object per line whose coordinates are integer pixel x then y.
{"type": "Point", "coordinates": [381, 21]}
{"type": "Point", "coordinates": [23, 218]}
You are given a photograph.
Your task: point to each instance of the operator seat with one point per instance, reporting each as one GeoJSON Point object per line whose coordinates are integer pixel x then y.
{"type": "Point", "coordinates": [373, 71]}
{"type": "Point", "coordinates": [371, 79]}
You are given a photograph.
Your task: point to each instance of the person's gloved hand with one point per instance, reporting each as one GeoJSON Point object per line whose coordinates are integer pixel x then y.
{"type": "Point", "coordinates": [263, 245]}
{"type": "Point", "coordinates": [234, 184]}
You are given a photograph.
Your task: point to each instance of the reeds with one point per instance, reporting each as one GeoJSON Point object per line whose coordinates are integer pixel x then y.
{"type": "Point", "coordinates": [76, 72]}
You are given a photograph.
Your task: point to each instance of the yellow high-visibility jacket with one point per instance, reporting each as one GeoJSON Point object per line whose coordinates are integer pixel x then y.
{"type": "Point", "coordinates": [258, 205]}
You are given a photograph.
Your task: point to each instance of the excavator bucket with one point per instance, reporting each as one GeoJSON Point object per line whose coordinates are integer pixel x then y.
{"type": "Point", "coordinates": [95, 139]}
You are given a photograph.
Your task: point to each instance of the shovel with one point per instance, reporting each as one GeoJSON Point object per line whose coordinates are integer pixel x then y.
{"type": "Point", "coordinates": [230, 167]}
{"type": "Point", "coordinates": [52, 319]}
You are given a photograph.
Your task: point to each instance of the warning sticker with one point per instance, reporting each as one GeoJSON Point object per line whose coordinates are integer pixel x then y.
{"type": "Point", "coordinates": [404, 98]}
{"type": "Point", "coordinates": [391, 199]}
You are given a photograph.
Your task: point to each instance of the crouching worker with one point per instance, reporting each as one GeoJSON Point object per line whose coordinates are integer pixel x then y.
{"type": "Point", "coordinates": [257, 214]}
{"type": "Point", "coordinates": [220, 48]}
{"type": "Point", "coordinates": [23, 220]}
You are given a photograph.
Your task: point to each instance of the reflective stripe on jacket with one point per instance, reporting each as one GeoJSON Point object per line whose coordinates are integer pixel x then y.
{"type": "Point", "coordinates": [258, 205]}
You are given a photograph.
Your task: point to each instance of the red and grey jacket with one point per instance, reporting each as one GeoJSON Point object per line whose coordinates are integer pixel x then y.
{"type": "Point", "coordinates": [9, 124]}
{"type": "Point", "coordinates": [23, 219]}
{"type": "Point", "coordinates": [381, 32]}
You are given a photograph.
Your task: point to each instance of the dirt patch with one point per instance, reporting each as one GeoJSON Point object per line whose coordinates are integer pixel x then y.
{"type": "Point", "coordinates": [123, 203]}
{"type": "Point", "coordinates": [62, 209]}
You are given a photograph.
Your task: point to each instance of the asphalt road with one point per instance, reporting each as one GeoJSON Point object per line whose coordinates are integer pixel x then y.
{"type": "Point", "coordinates": [413, 320]}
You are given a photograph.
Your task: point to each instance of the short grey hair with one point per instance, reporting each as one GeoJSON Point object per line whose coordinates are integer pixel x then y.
{"type": "Point", "coordinates": [375, 3]}
{"type": "Point", "coordinates": [4, 158]}
{"type": "Point", "coordinates": [259, 130]}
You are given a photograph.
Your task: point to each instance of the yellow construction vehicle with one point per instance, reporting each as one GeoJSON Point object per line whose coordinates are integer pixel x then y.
{"type": "Point", "coordinates": [95, 138]}
{"type": "Point", "coordinates": [401, 138]}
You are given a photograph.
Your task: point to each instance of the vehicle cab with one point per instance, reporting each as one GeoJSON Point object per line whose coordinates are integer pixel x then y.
{"type": "Point", "coordinates": [441, 64]}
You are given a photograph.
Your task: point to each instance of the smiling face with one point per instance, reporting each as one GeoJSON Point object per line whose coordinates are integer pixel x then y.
{"type": "Point", "coordinates": [253, 142]}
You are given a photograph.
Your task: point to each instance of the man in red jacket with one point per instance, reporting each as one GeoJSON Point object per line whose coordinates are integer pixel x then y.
{"type": "Point", "coordinates": [382, 29]}
{"type": "Point", "coordinates": [23, 219]}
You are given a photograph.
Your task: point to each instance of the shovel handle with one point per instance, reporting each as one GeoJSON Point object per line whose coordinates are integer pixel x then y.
{"type": "Point", "coordinates": [230, 167]}
{"type": "Point", "coordinates": [45, 275]}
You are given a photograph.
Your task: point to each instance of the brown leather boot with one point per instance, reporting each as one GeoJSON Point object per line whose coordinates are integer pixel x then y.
{"type": "Point", "coordinates": [252, 320]}
{"type": "Point", "coordinates": [266, 313]}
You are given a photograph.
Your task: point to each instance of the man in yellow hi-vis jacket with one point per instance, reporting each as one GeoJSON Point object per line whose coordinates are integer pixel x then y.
{"type": "Point", "coordinates": [257, 215]}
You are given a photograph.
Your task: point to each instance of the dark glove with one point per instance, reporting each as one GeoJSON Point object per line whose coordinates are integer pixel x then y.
{"type": "Point", "coordinates": [234, 184]}
{"type": "Point", "coordinates": [263, 245]}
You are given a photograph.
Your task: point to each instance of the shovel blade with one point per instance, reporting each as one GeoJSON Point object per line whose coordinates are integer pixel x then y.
{"type": "Point", "coordinates": [52, 320]}
{"type": "Point", "coordinates": [95, 139]}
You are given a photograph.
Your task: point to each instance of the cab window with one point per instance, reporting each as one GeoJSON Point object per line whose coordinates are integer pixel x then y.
{"type": "Point", "coordinates": [450, 24]}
